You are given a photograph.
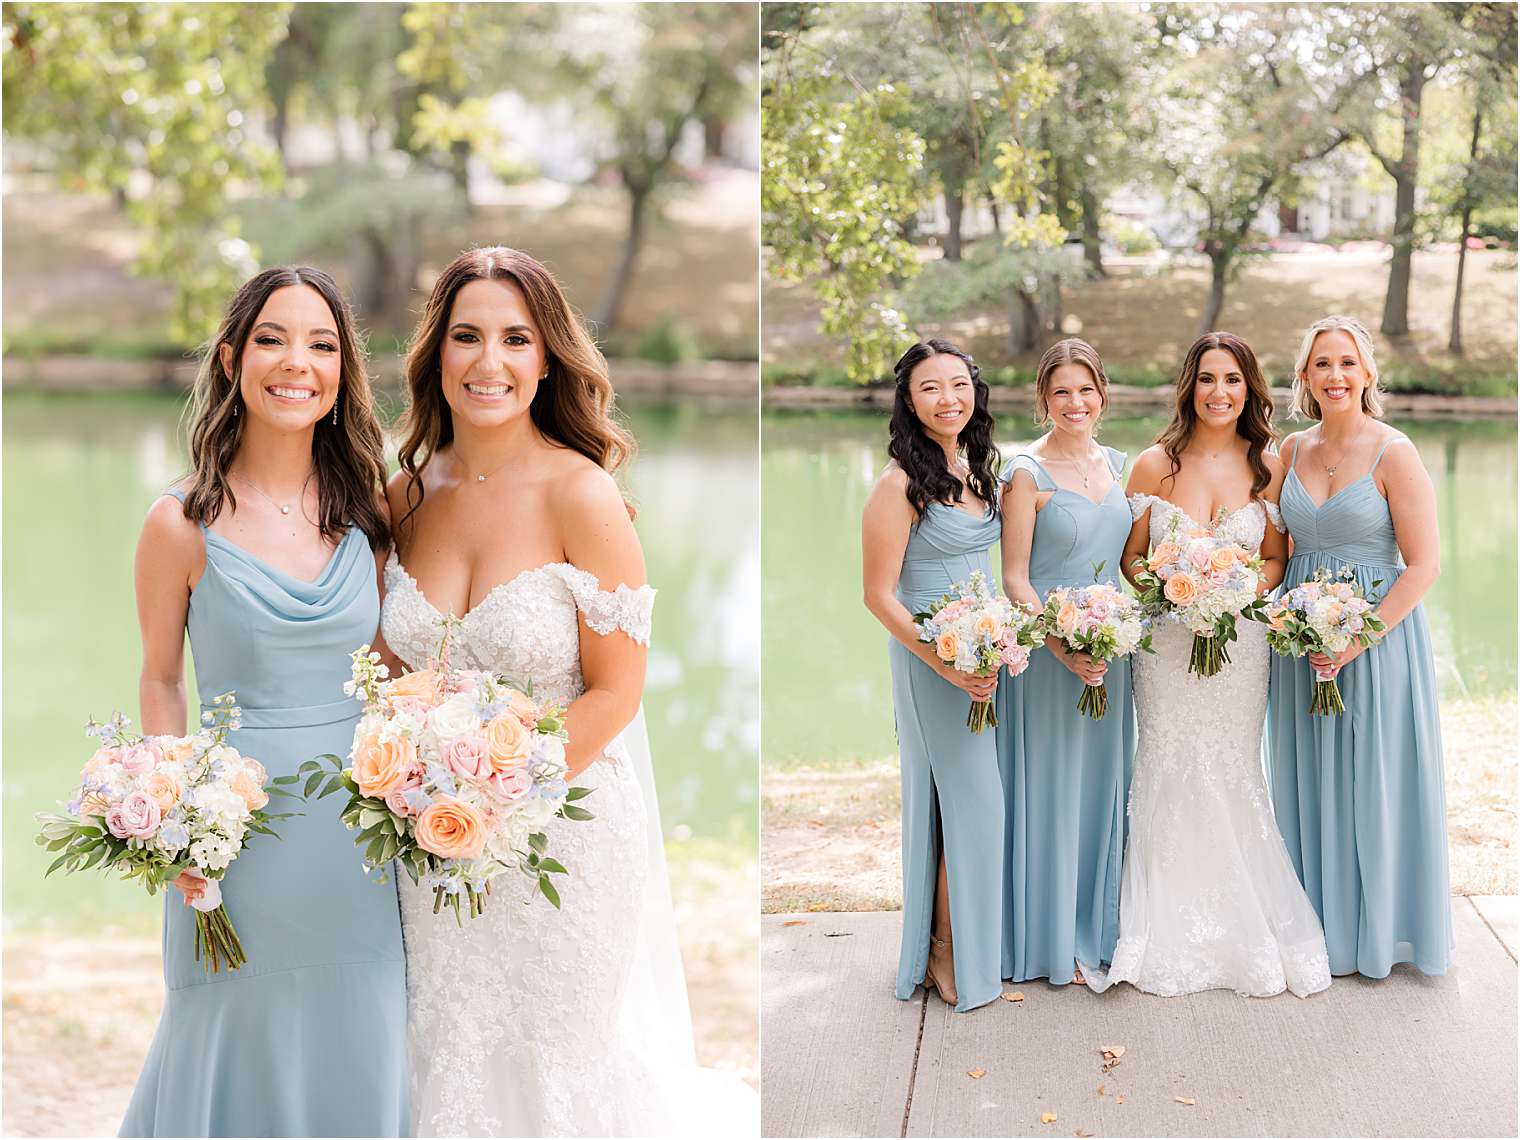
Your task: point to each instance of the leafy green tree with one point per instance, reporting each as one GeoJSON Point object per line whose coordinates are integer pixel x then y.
{"type": "Point", "coordinates": [1237, 116]}
{"type": "Point", "coordinates": [168, 90]}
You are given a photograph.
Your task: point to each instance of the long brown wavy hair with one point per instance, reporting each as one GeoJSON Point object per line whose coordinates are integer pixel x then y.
{"type": "Point", "coordinates": [1254, 424]}
{"type": "Point", "coordinates": [349, 457]}
{"type": "Point", "coordinates": [574, 403]}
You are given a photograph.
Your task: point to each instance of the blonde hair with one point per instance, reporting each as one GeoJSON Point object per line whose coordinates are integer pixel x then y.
{"type": "Point", "coordinates": [1304, 405]}
{"type": "Point", "coordinates": [1072, 350]}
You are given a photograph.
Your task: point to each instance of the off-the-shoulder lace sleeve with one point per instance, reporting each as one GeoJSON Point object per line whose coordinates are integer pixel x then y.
{"type": "Point", "coordinates": [628, 608]}
{"type": "Point", "coordinates": [1274, 516]}
{"type": "Point", "coordinates": [1139, 504]}
{"type": "Point", "coordinates": [1022, 462]}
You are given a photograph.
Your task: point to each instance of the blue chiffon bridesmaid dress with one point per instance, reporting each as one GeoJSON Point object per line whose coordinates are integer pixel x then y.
{"type": "Point", "coordinates": [949, 774]}
{"type": "Point", "coordinates": [308, 1038]}
{"type": "Point", "coordinates": [1360, 797]}
{"type": "Point", "coordinates": [1065, 776]}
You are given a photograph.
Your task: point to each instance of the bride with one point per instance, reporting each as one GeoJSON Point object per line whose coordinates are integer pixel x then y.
{"type": "Point", "coordinates": [531, 1021]}
{"type": "Point", "coordinates": [1209, 898]}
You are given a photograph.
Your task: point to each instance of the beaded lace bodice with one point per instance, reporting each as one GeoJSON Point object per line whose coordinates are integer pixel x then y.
{"type": "Point", "coordinates": [514, 1020]}
{"type": "Point", "coordinates": [1210, 898]}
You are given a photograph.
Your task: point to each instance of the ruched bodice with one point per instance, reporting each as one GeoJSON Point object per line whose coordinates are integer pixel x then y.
{"type": "Point", "coordinates": [1351, 526]}
{"type": "Point", "coordinates": [944, 547]}
{"type": "Point", "coordinates": [277, 640]}
{"type": "Point", "coordinates": [1071, 532]}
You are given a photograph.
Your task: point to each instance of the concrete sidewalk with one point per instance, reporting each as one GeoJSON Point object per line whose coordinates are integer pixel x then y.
{"type": "Point", "coordinates": [1406, 1056]}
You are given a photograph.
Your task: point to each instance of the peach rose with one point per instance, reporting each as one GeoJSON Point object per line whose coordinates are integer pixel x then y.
{"type": "Point", "coordinates": [380, 765]}
{"type": "Point", "coordinates": [1066, 619]}
{"type": "Point", "coordinates": [164, 787]}
{"type": "Point", "coordinates": [986, 626]}
{"type": "Point", "coordinates": [523, 707]}
{"type": "Point", "coordinates": [452, 829]}
{"type": "Point", "coordinates": [1223, 558]}
{"type": "Point", "coordinates": [1166, 552]}
{"type": "Point", "coordinates": [947, 645]}
{"type": "Point", "coordinates": [420, 686]}
{"type": "Point", "coordinates": [253, 794]}
{"type": "Point", "coordinates": [102, 759]}
{"type": "Point", "coordinates": [179, 751]}
{"type": "Point", "coordinates": [1181, 589]}
{"type": "Point", "coordinates": [256, 771]}
{"type": "Point", "coordinates": [509, 741]}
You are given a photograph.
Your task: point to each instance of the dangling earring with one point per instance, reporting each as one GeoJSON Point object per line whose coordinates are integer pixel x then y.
{"type": "Point", "coordinates": [335, 411]}
{"type": "Point", "coordinates": [234, 407]}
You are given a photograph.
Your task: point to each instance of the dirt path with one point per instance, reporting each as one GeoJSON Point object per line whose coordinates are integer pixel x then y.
{"type": "Point", "coordinates": [79, 1013]}
{"type": "Point", "coordinates": [831, 838]}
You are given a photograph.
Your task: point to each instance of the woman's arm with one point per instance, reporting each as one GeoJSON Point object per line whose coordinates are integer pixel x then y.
{"type": "Point", "coordinates": [885, 526]}
{"type": "Point", "coordinates": [1144, 479]}
{"type": "Point", "coordinates": [171, 555]}
{"type": "Point", "coordinates": [393, 499]}
{"type": "Point", "coordinates": [1020, 505]}
{"type": "Point", "coordinates": [599, 538]}
{"type": "Point", "coordinates": [1274, 543]}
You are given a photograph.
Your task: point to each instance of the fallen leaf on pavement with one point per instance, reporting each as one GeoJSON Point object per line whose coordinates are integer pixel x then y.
{"type": "Point", "coordinates": [795, 922]}
{"type": "Point", "coordinates": [1047, 1118]}
{"type": "Point", "coordinates": [1079, 1132]}
{"type": "Point", "coordinates": [1100, 1089]}
{"type": "Point", "coordinates": [1184, 1100]}
{"type": "Point", "coordinates": [976, 1074]}
{"type": "Point", "coordinates": [1016, 995]}
{"type": "Point", "coordinates": [837, 934]}
{"type": "Point", "coordinates": [1119, 1099]}
{"type": "Point", "coordinates": [1115, 1051]}
{"type": "Point", "coordinates": [815, 907]}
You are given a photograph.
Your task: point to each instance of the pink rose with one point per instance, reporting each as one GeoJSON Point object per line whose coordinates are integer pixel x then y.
{"type": "Point", "coordinates": [468, 757]}
{"type": "Point", "coordinates": [139, 758]}
{"type": "Point", "coordinates": [1099, 610]}
{"type": "Point", "coordinates": [510, 786]}
{"type": "Point", "coordinates": [1199, 557]}
{"type": "Point", "coordinates": [136, 817]}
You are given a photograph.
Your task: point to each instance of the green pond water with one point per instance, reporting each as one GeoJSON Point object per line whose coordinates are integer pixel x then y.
{"type": "Point", "coordinates": [827, 693]}
{"type": "Point", "coordinates": [80, 472]}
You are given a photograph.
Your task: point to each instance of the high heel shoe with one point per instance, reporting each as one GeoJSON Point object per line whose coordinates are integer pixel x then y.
{"type": "Point", "coordinates": [940, 972]}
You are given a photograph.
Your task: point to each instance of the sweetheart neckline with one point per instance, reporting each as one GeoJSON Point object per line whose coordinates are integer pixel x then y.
{"type": "Point", "coordinates": [1293, 471]}
{"type": "Point", "coordinates": [486, 597]}
{"type": "Point", "coordinates": [1227, 516]}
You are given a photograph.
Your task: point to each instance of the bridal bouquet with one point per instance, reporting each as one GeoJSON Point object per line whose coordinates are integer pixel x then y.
{"type": "Point", "coordinates": [1205, 583]}
{"type": "Point", "coordinates": [976, 631]}
{"type": "Point", "coordinates": [154, 807]}
{"type": "Point", "coordinates": [1101, 621]}
{"type": "Point", "coordinates": [455, 774]}
{"type": "Point", "coordinates": [1326, 614]}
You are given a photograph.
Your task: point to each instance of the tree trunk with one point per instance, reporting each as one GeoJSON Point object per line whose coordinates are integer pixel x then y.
{"type": "Point", "coordinates": [1396, 304]}
{"type": "Point", "coordinates": [1092, 250]}
{"type": "Point", "coordinates": [1219, 268]}
{"type": "Point", "coordinates": [713, 129]}
{"type": "Point", "coordinates": [612, 305]}
{"type": "Point", "coordinates": [1024, 331]}
{"type": "Point", "coordinates": [1454, 345]}
{"type": "Point", "coordinates": [279, 126]}
{"type": "Point", "coordinates": [459, 169]}
{"type": "Point", "coordinates": [997, 219]}
{"type": "Point", "coordinates": [955, 211]}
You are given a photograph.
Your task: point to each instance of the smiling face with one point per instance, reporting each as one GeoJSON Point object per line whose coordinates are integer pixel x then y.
{"type": "Point", "coordinates": [291, 365]}
{"type": "Point", "coordinates": [1335, 374]}
{"type": "Point", "coordinates": [1219, 390]}
{"type": "Point", "coordinates": [1073, 400]}
{"type": "Point", "coordinates": [943, 395]}
{"type": "Point", "coordinates": [493, 355]}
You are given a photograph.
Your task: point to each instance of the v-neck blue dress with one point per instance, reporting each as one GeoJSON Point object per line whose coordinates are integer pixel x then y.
{"type": "Point", "coordinates": [950, 784]}
{"type": "Point", "coordinates": [308, 1038]}
{"type": "Point", "coordinates": [1360, 798]}
{"type": "Point", "coordinates": [1065, 777]}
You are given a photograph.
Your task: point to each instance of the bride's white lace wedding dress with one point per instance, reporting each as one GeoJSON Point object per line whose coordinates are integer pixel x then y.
{"type": "Point", "coordinates": [1209, 897]}
{"type": "Point", "coordinates": [531, 1021]}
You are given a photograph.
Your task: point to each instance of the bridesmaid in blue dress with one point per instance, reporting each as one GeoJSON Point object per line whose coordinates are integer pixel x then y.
{"type": "Point", "coordinates": [928, 524]}
{"type": "Point", "coordinates": [1065, 777]}
{"type": "Point", "coordinates": [1360, 797]}
{"type": "Point", "coordinates": [267, 553]}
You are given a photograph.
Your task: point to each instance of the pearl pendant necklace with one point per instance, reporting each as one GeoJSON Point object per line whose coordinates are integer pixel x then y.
{"type": "Point", "coordinates": [284, 508]}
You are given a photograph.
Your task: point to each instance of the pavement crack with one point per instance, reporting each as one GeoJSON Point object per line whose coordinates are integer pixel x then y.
{"type": "Point", "coordinates": [1503, 945]}
{"type": "Point", "coordinates": [918, 1044]}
